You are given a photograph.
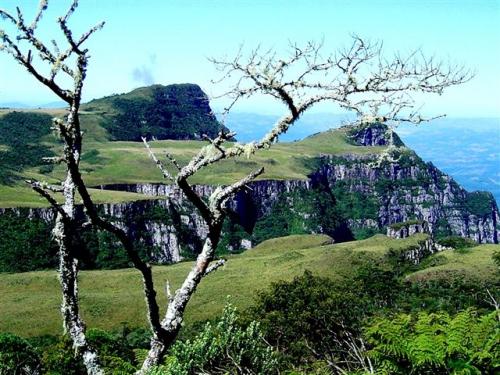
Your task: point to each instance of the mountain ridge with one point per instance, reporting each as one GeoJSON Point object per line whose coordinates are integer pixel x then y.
{"type": "Point", "coordinates": [348, 183]}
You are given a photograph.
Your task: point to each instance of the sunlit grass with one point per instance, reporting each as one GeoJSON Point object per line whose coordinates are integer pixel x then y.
{"type": "Point", "coordinates": [30, 301]}
{"type": "Point", "coordinates": [472, 264]}
{"type": "Point", "coordinates": [129, 163]}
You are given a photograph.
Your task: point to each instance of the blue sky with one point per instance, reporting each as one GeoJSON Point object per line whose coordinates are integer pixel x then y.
{"type": "Point", "coordinates": [169, 41]}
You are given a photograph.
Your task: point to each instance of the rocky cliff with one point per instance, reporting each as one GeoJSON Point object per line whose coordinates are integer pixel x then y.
{"type": "Point", "coordinates": [347, 196]}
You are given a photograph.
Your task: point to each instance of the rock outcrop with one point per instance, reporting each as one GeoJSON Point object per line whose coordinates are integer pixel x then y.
{"type": "Point", "coordinates": [358, 193]}
{"type": "Point", "coordinates": [407, 229]}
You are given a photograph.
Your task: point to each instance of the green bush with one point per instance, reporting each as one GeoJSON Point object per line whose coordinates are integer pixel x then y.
{"type": "Point", "coordinates": [456, 242]}
{"type": "Point", "coordinates": [451, 295]}
{"type": "Point", "coordinates": [115, 353]}
{"type": "Point", "coordinates": [223, 347]}
{"type": "Point", "coordinates": [60, 359]}
{"type": "Point", "coordinates": [17, 356]}
{"type": "Point", "coordinates": [312, 319]}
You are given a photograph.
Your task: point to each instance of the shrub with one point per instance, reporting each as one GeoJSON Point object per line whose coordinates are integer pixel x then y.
{"type": "Point", "coordinates": [456, 242]}
{"type": "Point", "coordinates": [223, 347]}
{"type": "Point", "coordinates": [60, 359]}
{"type": "Point", "coordinates": [312, 319]}
{"type": "Point", "coordinates": [17, 356]}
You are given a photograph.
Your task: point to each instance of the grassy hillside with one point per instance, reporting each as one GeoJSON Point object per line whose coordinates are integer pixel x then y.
{"type": "Point", "coordinates": [468, 264]}
{"type": "Point", "coordinates": [106, 162]}
{"type": "Point", "coordinates": [110, 298]}
{"type": "Point", "coordinates": [23, 196]}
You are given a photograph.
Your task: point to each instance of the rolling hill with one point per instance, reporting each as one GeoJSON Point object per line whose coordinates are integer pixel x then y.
{"type": "Point", "coordinates": [110, 298]}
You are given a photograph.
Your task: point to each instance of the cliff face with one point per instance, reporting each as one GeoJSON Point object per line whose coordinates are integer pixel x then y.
{"type": "Point", "coordinates": [347, 196]}
{"type": "Point", "coordinates": [408, 189]}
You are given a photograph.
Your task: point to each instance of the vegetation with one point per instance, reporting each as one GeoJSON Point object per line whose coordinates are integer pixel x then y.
{"type": "Point", "coordinates": [222, 347]}
{"type": "Point", "coordinates": [312, 319]}
{"type": "Point", "coordinates": [370, 279]}
{"type": "Point", "coordinates": [398, 226]}
{"type": "Point", "coordinates": [348, 288]}
{"type": "Point", "coordinates": [479, 203]}
{"type": "Point", "coordinates": [162, 112]}
{"type": "Point", "coordinates": [320, 209]}
{"type": "Point", "coordinates": [456, 242]}
{"type": "Point", "coordinates": [109, 298]}
{"type": "Point", "coordinates": [437, 343]}
{"type": "Point", "coordinates": [22, 145]}
{"type": "Point", "coordinates": [128, 162]}
{"type": "Point", "coordinates": [26, 244]}
{"type": "Point", "coordinates": [17, 356]}
{"type": "Point", "coordinates": [474, 264]}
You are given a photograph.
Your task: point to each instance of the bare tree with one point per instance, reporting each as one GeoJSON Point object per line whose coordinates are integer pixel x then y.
{"type": "Point", "coordinates": [70, 132]}
{"type": "Point", "coordinates": [357, 78]}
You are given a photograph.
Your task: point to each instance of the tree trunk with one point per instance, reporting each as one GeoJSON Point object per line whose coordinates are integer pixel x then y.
{"type": "Point", "coordinates": [68, 277]}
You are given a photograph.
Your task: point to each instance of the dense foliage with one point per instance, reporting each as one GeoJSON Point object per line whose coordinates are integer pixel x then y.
{"type": "Point", "coordinates": [456, 242]}
{"type": "Point", "coordinates": [162, 112]}
{"type": "Point", "coordinates": [322, 323]}
{"type": "Point", "coordinates": [312, 319]}
{"type": "Point", "coordinates": [320, 209]}
{"type": "Point", "coordinates": [371, 318]}
{"type": "Point", "coordinates": [223, 347]}
{"type": "Point", "coordinates": [17, 356]}
{"type": "Point", "coordinates": [20, 143]}
{"type": "Point", "coordinates": [436, 343]}
{"type": "Point", "coordinates": [479, 203]}
{"type": "Point", "coordinates": [26, 244]}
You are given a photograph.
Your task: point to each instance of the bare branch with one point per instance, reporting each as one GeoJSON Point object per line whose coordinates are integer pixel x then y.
{"type": "Point", "coordinates": [41, 8]}
{"type": "Point", "coordinates": [43, 189]}
{"type": "Point", "coordinates": [357, 78]}
{"type": "Point", "coordinates": [214, 266]}
{"type": "Point", "coordinates": [221, 195]}
{"type": "Point", "coordinates": [166, 174]}
{"type": "Point", "coordinates": [171, 158]}
{"type": "Point", "coordinates": [168, 293]}
{"type": "Point", "coordinates": [87, 34]}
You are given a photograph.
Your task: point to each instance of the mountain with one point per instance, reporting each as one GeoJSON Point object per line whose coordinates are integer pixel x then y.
{"type": "Point", "coordinates": [346, 183]}
{"type": "Point", "coordinates": [465, 148]}
{"type": "Point", "coordinates": [180, 111]}
{"type": "Point", "coordinates": [18, 105]}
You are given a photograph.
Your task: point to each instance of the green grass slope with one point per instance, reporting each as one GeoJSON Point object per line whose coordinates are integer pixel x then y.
{"type": "Point", "coordinates": [30, 301]}
{"type": "Point", "coordinates": [470, 264]}
{"type": "Point", "coordinates": [105, 162]}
